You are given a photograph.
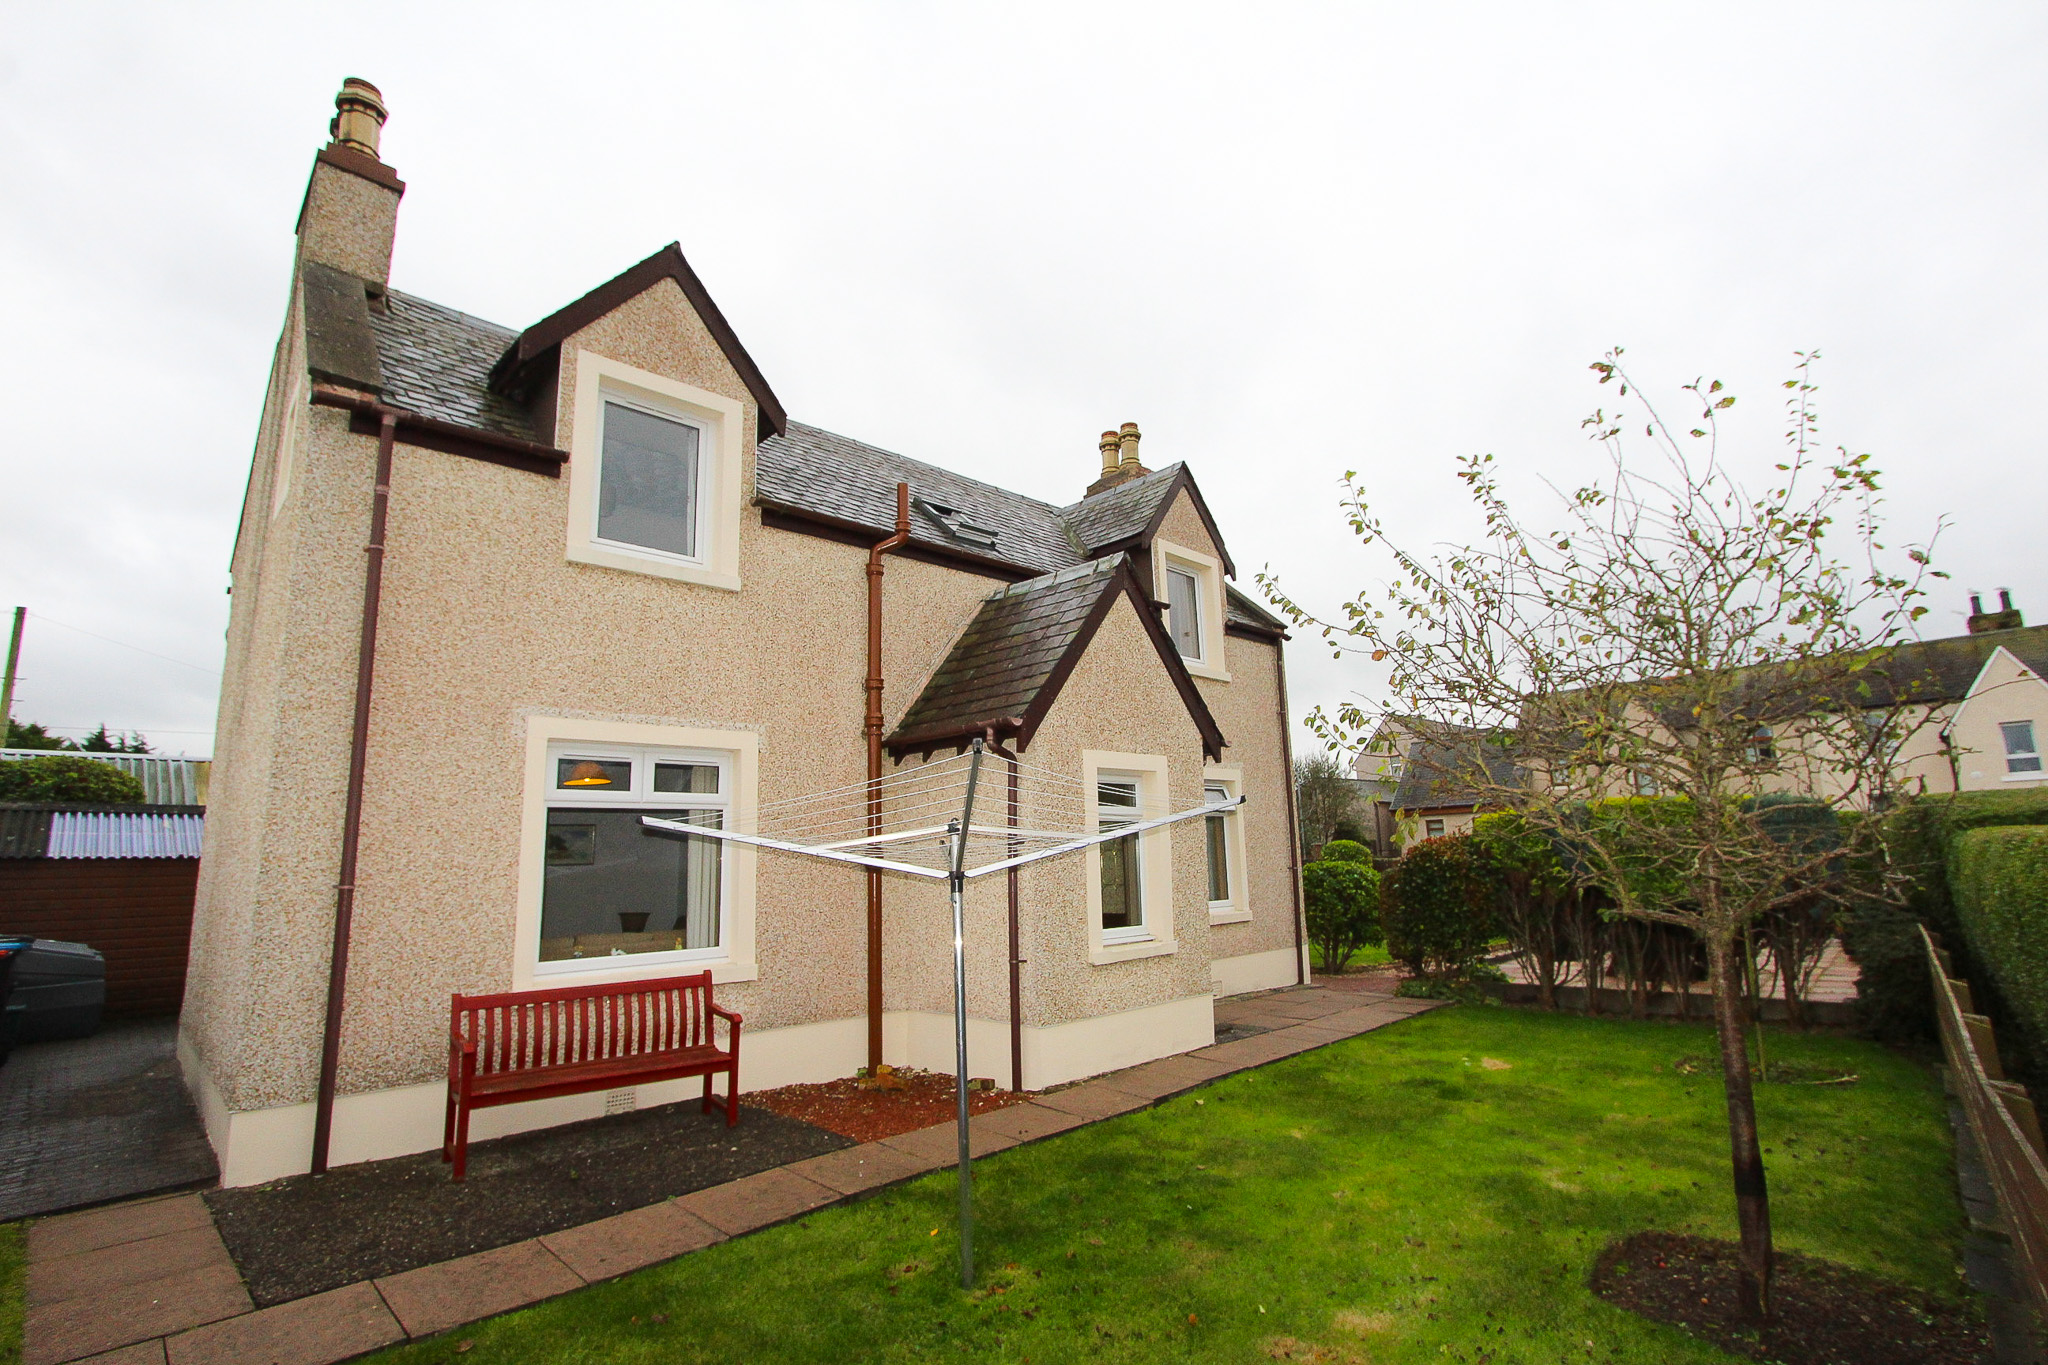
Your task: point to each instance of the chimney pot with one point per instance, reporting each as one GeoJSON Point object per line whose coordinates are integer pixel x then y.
{"type": "Point", "coordinates": [359, 116]}
{"type": "Point", "coordinates": [2005, 599]}
{"type": "Point", "coordinates": [1976, 604]}
{"type": "Point", "coordinates": [1127, 437]}
{"type": "Point", "coordinates": [1109, 453]}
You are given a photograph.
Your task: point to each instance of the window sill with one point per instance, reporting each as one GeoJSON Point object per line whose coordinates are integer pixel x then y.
{"type": "Point", "coordinates": [1111, 953]}
{"type": "Point", "coordinates": [1209, 671]}
{"type": "Point", "coordinates": [2024, 777]}
{"type": "Point", "coordinates": [723, 970]}
{"type": "Point", "coordinates": [627, 562]}
{"type": "Point", "coordinates": [1226, 915]}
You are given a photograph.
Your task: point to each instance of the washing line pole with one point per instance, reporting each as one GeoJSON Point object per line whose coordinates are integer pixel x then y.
{"type": "Point", "coordinates": [957, 878]}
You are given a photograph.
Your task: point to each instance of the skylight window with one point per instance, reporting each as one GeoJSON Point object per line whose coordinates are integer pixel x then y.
{"type": "Point", "coordinates": [957, 526]}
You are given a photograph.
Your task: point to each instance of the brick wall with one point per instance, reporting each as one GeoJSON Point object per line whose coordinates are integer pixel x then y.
{"type": "Point", "coordinates": [136, 911]}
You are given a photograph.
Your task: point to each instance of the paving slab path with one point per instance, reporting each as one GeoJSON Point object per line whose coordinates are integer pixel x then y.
{"type": "Point", "coordinates": [151, 1283]}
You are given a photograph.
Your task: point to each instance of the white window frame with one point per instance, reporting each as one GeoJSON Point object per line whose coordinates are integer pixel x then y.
{"type": "Point", "coordinates": [1237, 909]}
{"type": "Point", "coordinates": [2011, 774]}
{"type": "Point", "coordinates": [1208, 575]}
{"type": "Point", "coordinates": [721, 425]}
{"type": "Point", "coordinates": [737, 752]}
{"type": "Point", "coordinates": [1155, 860]}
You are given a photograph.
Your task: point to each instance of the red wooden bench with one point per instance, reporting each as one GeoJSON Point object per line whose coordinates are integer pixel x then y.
{"type": "Point", "coordinates": [533, 1045]}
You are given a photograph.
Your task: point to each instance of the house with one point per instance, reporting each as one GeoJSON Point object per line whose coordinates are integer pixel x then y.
{"type": "Point", "coordinates": [499, 592]}
{"type": "Point", "coordinates": [1439, 791]}
{"type": "Point", "coordinates": [1960, 713]}
{"type": "Point", "coordinates": [1376, 772]}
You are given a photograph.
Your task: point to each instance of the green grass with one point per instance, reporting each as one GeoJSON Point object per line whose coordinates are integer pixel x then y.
{"type": "Point", "coordinates": [13, 1274]}
{"type": "Point", "coordinates": [1390, 1199]}
{"type": "Point", "coordinates": [1374, 956]}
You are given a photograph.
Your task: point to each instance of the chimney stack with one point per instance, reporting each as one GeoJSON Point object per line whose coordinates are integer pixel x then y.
{"type": "Point", "coordinates": [2007, 617]}
{"type": "Point", "coordinates": [1119, 459]}
{"type": "Point", "coordinates": [350, 213]}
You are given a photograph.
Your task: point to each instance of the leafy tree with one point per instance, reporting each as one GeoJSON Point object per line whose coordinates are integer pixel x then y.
{"type": "Point", "coordinates": [29, 735]}
{"type": "Point", "coordinates": [66, 777]}
{"type": "Point", "coordinates": [100, 742]}
{"type": "Point", "coordinates": [1533, 896]}
{"type": "Point", "coordinates": [1436, 907]}
{"type": "Point", "coordinates": [1347, 831]}
{"type": "Point", "coordinates": [1340, 900]}
{"type": "Point", "coordinates": [1322, 799]}
{"type": "Point", "coordinates": [1677, 633]}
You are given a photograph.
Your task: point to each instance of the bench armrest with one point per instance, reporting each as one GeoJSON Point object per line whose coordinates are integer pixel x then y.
{"type": "Point", "coordinates": [725, 1013]}
{"type": "Point", "coordinates": [458, 1043]}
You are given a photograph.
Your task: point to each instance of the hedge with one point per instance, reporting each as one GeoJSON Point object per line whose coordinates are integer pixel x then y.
{"type": "Point", "coordinates": [1999, 877]}
{"type": "Point", "coordinates": [64, 777]}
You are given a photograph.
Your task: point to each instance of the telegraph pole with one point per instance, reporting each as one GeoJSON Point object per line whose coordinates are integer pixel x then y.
{"type": "Point", "coordinates": [7, 683]}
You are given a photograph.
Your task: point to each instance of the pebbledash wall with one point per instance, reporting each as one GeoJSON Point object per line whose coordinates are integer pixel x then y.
{"type": "Point", "coordinates": [493, 640]}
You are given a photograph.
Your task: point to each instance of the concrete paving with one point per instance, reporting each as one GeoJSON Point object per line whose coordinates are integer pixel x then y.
{"type": "Point", "coordinates": [90, 1120]}
{"type": "Point", "coordinates": [150, 1283]}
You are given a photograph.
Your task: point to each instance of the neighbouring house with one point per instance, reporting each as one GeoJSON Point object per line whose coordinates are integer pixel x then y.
{"type": "Point", "coordinates": [119, 878]}
{"type": "Point", "coordinates": [617, 579]}
{"type": "Point", "coordinates": [1962, 713]}
{"type": "Point", "coordinates": [1439, 791]}
{"type": "Point", "coordinates": [1376, 772]}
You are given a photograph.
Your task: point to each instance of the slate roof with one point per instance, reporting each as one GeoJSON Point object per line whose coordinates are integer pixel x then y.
{"type": "Point", "coordinates": [810, 470]}
{"type": "Point", "coordinates": [1942, 670]}
{"type": "Point", "coordinates": [1437, 773]}
{"type": "Point", "coordinates": [438, 362]}
{"type": "Point", "coordinates": [1121, 512]}
{"type": "Point", "coordinates": [1009, 652]}
{"type": "Point", "coordinates": [1006, 669]}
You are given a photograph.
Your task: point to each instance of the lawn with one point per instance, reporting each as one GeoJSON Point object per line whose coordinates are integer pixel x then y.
{"type": "Point", "coordinates": [1399, 1197]}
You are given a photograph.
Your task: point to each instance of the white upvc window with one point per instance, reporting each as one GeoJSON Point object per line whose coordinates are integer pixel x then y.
{"type": "Point", "coordinates": [1191, 585]}
{"type": "Point", "coordinates": [1223, 847]}
{"type": "Point", "coordinates": [650, 481]}
{"type": "Point", "coordinates": [1130, 895]}
{"type": "Point", "coordinates": [613, 888]}
{"type": "Point", "coordinates": [654, 475]}
{"type": "Point", "coordinates": [2022, 753]}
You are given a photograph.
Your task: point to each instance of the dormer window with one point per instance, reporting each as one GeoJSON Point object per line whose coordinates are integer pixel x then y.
{"type": "Point", "coordinates": [1184, 611]}
{"type": "Point", "coordinates": [958, 527]}
{"type": "Point", "coordinates": [649, 486]}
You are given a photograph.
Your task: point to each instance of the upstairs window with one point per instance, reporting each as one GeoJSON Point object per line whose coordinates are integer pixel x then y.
{"type": "Point", "coordinates": [1184, 612]}
{"type": "Point", "coordinates": [1123, 881]}
{"type": "Point", "coordinates": [1762, 747]}
{"type": "Point", "coordinates": [2022, 755]}
{"type": "Point", "coordinates": [650, 483]}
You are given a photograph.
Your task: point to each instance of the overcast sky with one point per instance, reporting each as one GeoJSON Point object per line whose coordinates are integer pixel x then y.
{"type": "Point", "coordinates": [1288, 240]}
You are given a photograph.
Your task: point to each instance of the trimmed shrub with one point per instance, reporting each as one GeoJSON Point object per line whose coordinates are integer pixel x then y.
{"type": "Point", "coordinates": [61, 777]}
{"type": "Point", "coordinates": [1437, 909]}
{"type": "Point", "coordinates": [1999, 877]}
{"type": "Point", "coordinates": [1345, 831]}
{"type": "Point", "coordinates": [1341, 900]}
{"type": "Point", "coordinates": [1894, 997]}
{"type": "Point", "coordinates": [1347, 851]}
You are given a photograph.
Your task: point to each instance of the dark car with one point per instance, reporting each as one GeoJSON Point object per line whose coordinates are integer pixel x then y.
{"type": "Point", "coordinates": [49, 989]}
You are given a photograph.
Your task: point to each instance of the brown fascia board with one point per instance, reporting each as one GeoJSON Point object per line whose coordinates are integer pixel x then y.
{"type": "Point", "coordinates": [804, 522]}
{"type": "Point", "coordinates": [1186, 480]}
{"type": "Point", "coordinates": [1123, 583]}
{"type": "Point", "coordinates": [431, 433]}
{"type": "Point", "coordinates": [1252, 632]}
{"type": "Point", "coordinates": [355, 163]}
{"type": "Point", "coordinates": [666, 264]}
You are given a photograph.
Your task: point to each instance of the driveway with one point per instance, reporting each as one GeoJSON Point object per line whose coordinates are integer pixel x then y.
{"type": "Point", "coordinates": [99, 1118]}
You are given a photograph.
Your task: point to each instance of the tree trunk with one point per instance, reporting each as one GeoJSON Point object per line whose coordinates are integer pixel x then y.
{"type": "Point", "coordinates": [1752, 1202]}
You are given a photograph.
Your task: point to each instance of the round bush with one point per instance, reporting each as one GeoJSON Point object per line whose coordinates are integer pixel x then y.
{"type": "Point", "coordinates": [1347, 851]}
{"type": "Point", "coordinates": [61, 777]}
{"type": "Point", "coordinates": [1341, 903]}
{"type": "Point", "coordinates": [1436, 910]}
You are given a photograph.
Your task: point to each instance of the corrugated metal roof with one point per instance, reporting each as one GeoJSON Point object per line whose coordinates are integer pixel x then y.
{"type": "Point", "coordinates": [165, 781]}
{"type": "Point", "coordinates": [124, 834]}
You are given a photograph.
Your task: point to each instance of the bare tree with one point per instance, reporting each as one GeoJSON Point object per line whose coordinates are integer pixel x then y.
{"type": "Point", "coordinates": [1323, 798]}
{"type": "Point", "coordinates": [1681, 637]}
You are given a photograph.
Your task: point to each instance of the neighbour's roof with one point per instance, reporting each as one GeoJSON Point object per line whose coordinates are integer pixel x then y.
{"type": "Point", "coordinates": [1440, 769]}
{"type": "Point", "coordinates": [1007, 667]}
{"type": "Point", "coordinates": [64, 830]}
{"type": "Point", "coordinates": [1942, 670]}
